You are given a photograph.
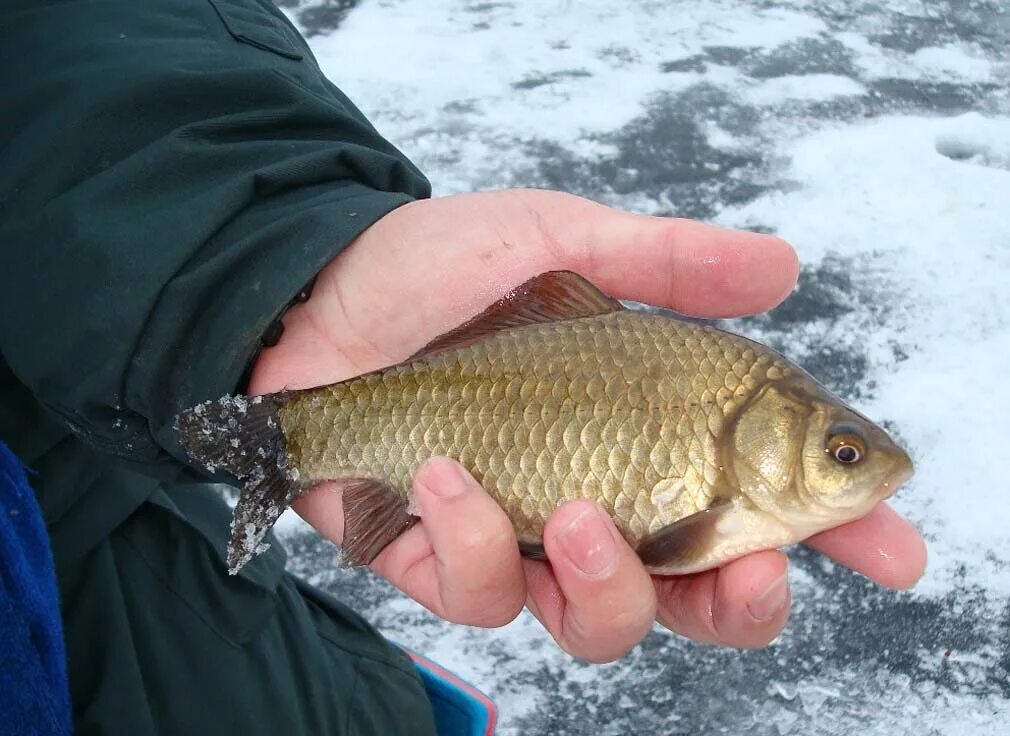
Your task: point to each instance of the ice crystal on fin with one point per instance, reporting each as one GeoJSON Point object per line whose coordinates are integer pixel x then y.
{"type": "Point", "coordinates": [343, 559]}
{"type": "Point", "coordinates": [256, 476]}
{"type": "Point", "coordinates": [250, 543]}
{"type": "Point", "coordinates": [240, 404]}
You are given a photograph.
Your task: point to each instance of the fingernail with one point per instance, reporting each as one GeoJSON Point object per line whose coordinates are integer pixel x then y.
{"type": "Point", "coordinates": [765, 606]}
{"type": "Point", "coordinates": [446, 479]}
{"type": "Point", "coordinates": [588, 543]}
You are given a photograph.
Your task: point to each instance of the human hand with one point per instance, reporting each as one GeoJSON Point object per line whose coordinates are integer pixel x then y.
{"type": "Point", "coordinates": [429, 266]}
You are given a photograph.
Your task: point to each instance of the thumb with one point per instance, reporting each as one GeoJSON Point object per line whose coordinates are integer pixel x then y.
{"type": "Point", "coordinates": [691, 267]}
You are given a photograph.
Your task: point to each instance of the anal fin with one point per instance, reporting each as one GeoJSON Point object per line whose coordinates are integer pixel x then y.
{"type": "Point", "coordinates": [684, 542]}
{"type": "Point", "coordinates": [374, 515]}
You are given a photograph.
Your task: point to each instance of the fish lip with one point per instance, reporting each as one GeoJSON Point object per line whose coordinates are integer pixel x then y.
{"type": "Point", "coordinates": [903, 471]}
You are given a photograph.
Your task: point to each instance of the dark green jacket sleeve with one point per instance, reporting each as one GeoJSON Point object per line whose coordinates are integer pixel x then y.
{"type": "Point", "coordinates": [173, 173]}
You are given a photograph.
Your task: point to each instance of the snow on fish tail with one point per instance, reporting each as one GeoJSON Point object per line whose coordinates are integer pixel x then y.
{"type": "Point", "coordinates": [243, 436]}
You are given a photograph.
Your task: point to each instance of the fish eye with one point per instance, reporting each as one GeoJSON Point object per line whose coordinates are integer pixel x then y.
{"type": "Point", "coordinates": [847, 449]}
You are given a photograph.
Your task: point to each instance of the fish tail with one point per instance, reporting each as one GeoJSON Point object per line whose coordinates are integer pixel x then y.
{"type": "Point", "coordinates": [243, 436]}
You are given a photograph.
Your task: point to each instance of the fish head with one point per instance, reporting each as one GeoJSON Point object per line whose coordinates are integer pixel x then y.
{"type": "Point", "coordinates": [801, 455]}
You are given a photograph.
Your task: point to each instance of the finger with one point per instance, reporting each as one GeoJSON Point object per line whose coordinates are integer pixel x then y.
{"type": "Point", "coordinates": [742, 604]}
{"type": "Point", "coordinates": [323, 508]}
{"type": "Point", "coordinates": [882, 545]}
{"type": "Point", "coordinates": [595, 598]}
{"type": "Point", "coordinates": [688, 266]}
{"type": "Point", "coordinates": [462, 560]}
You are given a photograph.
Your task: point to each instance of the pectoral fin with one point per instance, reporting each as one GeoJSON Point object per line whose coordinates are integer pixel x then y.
{"type": "Point", "coordinates": [532, 550]}
{"type": "Point", "coordinates": [374, 515]}
{"type": "Point", "coordinates": [685, 542]}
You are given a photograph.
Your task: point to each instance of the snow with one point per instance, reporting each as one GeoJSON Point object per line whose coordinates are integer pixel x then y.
{"type": "Point", "coordinates": [952, 62]}
{"type": "Point", "coordinates": [875, 139]}
{"type": "Point", "coordinates": [541, 63]}
{"type": "Point", "coordinates": [290, 524]}
{"type": "Point", "coordinates": [802, 87]}
{"type": "Point", "coordinates": [975, 139]}
{"type": "Point", "coordinates": [956, 63]}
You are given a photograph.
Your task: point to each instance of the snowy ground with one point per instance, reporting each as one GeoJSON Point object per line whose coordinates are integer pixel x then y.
{"type": "Point", "coordinates": [878, 142]}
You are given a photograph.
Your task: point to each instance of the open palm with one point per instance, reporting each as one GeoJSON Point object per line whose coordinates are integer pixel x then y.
{"type": "Point", "coordinates": [430, 265]}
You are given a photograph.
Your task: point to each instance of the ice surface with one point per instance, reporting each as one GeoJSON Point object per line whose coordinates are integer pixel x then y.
{"type": "Point", "coordinates": [951, 61]}
{"type": "Point", "coordinates": [976, 139]}
{"type": "Point", "coordinates": [876, 138]}
{"type": "Point", "coordinates": [802, 87]}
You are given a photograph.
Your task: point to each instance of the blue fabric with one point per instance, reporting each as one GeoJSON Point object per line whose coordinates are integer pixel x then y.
{"type": "Point", "coordinates": [459, 708]}
{"type": "Point", "coordinates": [457, 712]}
{"type": "Point", "coordinates": [34, 695]}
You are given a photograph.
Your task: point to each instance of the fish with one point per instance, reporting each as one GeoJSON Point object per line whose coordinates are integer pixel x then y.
{"type": "Point", "coordinates": [701, 444]}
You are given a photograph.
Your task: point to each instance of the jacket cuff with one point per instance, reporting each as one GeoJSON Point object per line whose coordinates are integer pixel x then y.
{"type": "Point", "coordinates": [215, 318]}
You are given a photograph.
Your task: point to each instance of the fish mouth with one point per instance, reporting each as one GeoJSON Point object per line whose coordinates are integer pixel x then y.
{"type": "Point", "coordinates": [903, 470]}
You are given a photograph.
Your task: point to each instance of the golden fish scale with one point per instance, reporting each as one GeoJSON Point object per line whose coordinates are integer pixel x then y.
{"type": "Point", "coordinates": [625, 408]}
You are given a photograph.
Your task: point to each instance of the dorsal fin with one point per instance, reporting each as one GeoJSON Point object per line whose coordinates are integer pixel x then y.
{"type": "Point", "coordinates": [550, 297]}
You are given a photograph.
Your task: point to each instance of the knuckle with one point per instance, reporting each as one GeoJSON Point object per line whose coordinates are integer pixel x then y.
{"type": "Point", "coordinates": [706, 614]}
{"type": "Point", "coordinates": [484, 589]}
{"type": "Point", "coordinates": [709, 622]}
{"type": "Point", "coordinates": [500, 531]}
{"type": "Point", "coordinates": [548, 236]}
{"type": "Point", "coordinates": [606, 657]}
{"type": "Point", "coordinates": [670, 236]}
{"type": "Point", "coordinates": [688, 608]}
{"type": "Point", "coordinates": [485, 608]}
{"type": "Point", "coordinates": [471, 538]}
{"type": "Point", "coordinates": [608, 637]}
{"type": "Point", "coordinates": [631, 616]}
{"type": "Point", "coordinates": [595, 651]}
{"type": "Point", "coordinates": [487, 539]}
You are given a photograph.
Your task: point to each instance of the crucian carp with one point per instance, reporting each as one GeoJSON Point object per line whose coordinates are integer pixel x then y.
{"type": "Point", "coordinates": [701, 444]}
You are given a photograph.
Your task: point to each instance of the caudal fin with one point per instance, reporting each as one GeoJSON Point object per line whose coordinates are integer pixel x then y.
{"type": "Point", "coordinates": [243, 436]}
